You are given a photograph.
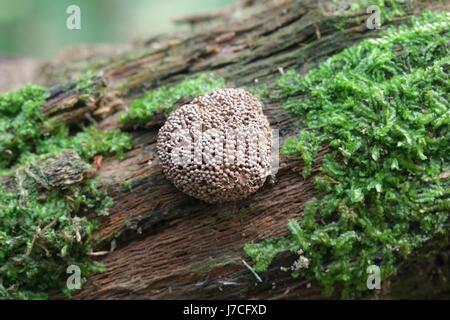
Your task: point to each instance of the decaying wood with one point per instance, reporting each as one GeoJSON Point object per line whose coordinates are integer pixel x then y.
{"type": "Point", "coordinates": [168, 245]}
{"type": "Point", "coordinates": [50, 174]}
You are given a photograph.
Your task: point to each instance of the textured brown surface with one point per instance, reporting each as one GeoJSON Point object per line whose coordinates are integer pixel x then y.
{"type": "Point", "coordinates": [168, 245]}
{"type": "Point", "coordinates": [218, 147]}
{"type": "Point", "coordinates": [55, 172]}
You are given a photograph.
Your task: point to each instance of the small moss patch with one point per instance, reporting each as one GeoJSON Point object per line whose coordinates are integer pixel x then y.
{"type": "Point", "coordinates": [164, 99]}
{"type": "Point", "coordinates": [25, 132]}
{"type": "Point", "coordinates": [389, 9]}
{"type": "Point", "coordinates": [382, 107]}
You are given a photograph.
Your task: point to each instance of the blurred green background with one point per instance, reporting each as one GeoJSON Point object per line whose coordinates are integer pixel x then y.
{"type": "Point", "coordinates": [37, 28]}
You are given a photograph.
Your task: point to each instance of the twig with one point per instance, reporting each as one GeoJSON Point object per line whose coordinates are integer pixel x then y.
{"type": "Point", "coordinates": [252, 270]}
{"type": "Point", "coordinates": [97, 254]}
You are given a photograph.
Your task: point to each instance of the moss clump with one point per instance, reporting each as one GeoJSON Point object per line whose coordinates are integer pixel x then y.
{"type": "Point", "coordinates": [87, 144]}
{"type": "Point", "coordinates": [21, 123]}
{"type": "Point", "coordinates": [85, 85]}
{"type": "Point", "coordinates": [40, 231]}
{"type": "Point", "coordinates": [382, 107]}
{"type": "Point", "coordinates": [41, 238]}
{"type": "Point", "coordinates": [165, 98]}
{"type": "Point", "coordinates": [26, 133]}
{"type": "Point", "coordinates": [260, 91]}
{"type": "Point", "coordinates": [389, 9]}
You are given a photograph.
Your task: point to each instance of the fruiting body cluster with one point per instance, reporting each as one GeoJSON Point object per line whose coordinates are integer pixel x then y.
{"type": "Point", "coordinates": [217, 148]}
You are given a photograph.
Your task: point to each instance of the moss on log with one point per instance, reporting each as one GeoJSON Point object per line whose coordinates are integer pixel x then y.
{"type": "Point", "coordinates": [166, 245]}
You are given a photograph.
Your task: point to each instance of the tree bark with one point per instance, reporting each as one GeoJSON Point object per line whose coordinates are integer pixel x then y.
{"type": "Point", "coordinates": [166, 245]}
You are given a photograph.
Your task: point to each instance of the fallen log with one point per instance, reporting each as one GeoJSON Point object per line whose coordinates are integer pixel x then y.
{"type": "Point", "coordinates": [166, 245]}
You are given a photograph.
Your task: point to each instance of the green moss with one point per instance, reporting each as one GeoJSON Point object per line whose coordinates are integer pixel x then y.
{"type": "Point", "coordinates": [389, 10]}
{"type": "Point", "coordinates": [87, 144]}
{"type": "Point", "coordinates": [260, 91]}
{"type": "Point", "coordinates": [165, 98]}
{"type": "Point", "coordinates": [26, 133]}
{"type": "Point", "coordinates": [40, 239]}
{"type": "Point", "coordinates": [382, 107]}
{"type": "Point", "coordinates": [85, 82]}
{"type": "Point", "coordinates": [21, 123]}
{"type": "Point", "coordinates": [127, 186]}
{"type": "Point", "coordinates": [40, 232]}
{"type": "Point", "coordinates": [85, 85]}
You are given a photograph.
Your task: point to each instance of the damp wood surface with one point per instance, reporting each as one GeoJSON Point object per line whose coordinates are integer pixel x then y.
{"type": "Point", "coordinates": [165, 245]}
